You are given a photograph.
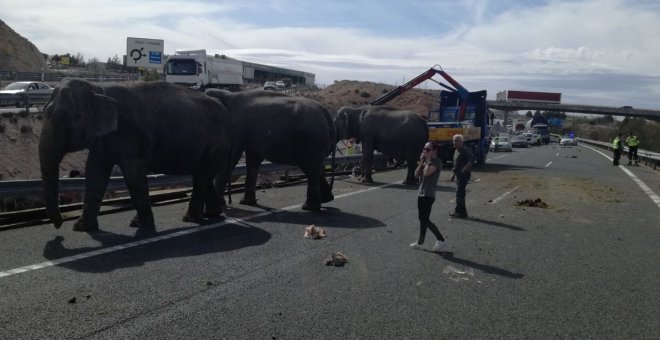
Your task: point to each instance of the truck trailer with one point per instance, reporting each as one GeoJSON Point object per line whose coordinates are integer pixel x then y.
{"type": "Point", "coordinates": [529, 96]}
{"type": "Point", "coordinates": [196, 69]}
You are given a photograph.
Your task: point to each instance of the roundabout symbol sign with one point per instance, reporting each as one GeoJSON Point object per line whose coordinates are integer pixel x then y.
{"type": "Point", "coordinates": [146, 53]}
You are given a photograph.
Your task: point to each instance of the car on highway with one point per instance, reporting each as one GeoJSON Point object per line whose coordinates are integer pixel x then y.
{"type": "Point", "coordinates": [8, 95]}
{"type": "Point", "coordinates": [518, 141]}
{"type": "Point", "coordinates": [529, 138]}
{"type": "Point", "coordinates": [500, 144]}
{"type": "Point", "coordinates": [270, 85]}
{"type": "Point", "coordinates": [566, 140]}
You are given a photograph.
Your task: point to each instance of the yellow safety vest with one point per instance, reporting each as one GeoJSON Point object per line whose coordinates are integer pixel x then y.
{"type": "Point", "coordinates": [632, 141]}
{"type": "Point", "coordinates": [615, 143]}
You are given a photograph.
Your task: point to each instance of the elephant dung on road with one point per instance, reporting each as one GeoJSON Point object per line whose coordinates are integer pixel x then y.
{"type": "Point", "coordinates": [399, 134]}
{"type": "Point", "coordinates": [284, 130]}
{"type": "Point", "coordinates": [151, 127]}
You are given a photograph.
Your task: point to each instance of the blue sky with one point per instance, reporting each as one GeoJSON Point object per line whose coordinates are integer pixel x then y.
{"type": "Point", "coordinates": [598, 52]}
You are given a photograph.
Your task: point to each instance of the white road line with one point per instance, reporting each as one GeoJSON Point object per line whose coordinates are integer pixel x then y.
{"type": "Point", "coordinates": [504, 195]}
{"type": "Point", "coordinates": [119, 247]}
{"type": "Point", "coordinates": [547, 165]}
{"type": "Point", "coordinates": [652, 195]}
{"type": "Point", "coordinates": [494, 158]}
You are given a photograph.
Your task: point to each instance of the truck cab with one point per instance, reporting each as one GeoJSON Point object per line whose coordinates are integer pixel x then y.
{"type": "Point", "coordinates": [195, 69]}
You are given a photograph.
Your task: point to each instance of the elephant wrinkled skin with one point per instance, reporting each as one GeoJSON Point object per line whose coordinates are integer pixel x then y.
{"type": "Point", "coordinates": [284, 130]}
{"type": "Point", "coordinates": [150, 127]}
{"type": "Point", "coordinates": [399, 134]}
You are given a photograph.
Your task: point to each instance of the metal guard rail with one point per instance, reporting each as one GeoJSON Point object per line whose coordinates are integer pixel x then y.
{"type": "Point", "coordinates": [647, 157]}
{"type": "Point", "coordinates": [34, 187]}
{"type": "Point", "coordinates": [25, 98]}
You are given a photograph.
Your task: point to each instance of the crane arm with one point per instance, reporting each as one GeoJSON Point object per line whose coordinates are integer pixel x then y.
{"type": "Point", "coordinates": [427, 75]}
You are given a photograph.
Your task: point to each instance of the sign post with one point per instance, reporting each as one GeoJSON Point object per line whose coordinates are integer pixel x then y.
{"type": "Point", "coordinates": [146, 53]}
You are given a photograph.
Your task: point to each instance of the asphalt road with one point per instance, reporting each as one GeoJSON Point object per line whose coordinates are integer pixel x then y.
{"type": "Point", "coordinates": [585, 266]}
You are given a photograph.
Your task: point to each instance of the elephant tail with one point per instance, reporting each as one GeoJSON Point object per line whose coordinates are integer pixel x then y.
{"type": "Point", "coordinates": [332, 163]}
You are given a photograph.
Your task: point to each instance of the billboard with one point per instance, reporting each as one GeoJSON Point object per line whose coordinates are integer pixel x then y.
{"type": "Point", "coordinates": [147, 53]}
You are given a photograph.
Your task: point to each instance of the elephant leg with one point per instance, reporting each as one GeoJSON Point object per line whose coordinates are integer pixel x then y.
{"type": "Point", "coordinates": [326, 192]}
{"type": "Point", "coordinates": [252, 164]}
{"type": "Point", "coordinates": [197, 199]}
{"type": "Point", "coordinates": [215, 193]}
{"type": "Point", "coordinates": [135, 175]}
{"type": "Point", "coordinates": [313, 201]}
{"type": "Point", "coordinates": [97, 176]}
{"type": "Point", "coordinates": [212, 201]}
{"type": "Point", "coordinates": [410, 176]}
{"type": "Point", "coordinates": [367, 162]}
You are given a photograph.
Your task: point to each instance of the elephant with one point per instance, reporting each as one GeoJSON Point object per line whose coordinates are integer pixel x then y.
{"type": "Point", "coordinates": [399, 134]}
{"type": "Point", "coordinates": [284, 130]}
{"type": "Point", "coordinates": [150, 127]}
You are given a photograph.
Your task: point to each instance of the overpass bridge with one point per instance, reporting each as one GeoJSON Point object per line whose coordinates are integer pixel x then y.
{"type": "Point", "coordinates": [589, 109]}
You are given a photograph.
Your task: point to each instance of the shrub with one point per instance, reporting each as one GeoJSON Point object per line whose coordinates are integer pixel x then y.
{"type": "Point", "coordinates": [365, 95]}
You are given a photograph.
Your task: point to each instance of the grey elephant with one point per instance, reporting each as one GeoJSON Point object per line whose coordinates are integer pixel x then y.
{"type": "Point", "coordinates": [399, 134]}
{"type": "Point", "coordinates": [151, 127]}
{"type": "Point", "coordinates": [284, 130]}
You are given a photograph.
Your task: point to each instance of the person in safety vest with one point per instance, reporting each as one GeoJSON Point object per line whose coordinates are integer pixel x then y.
{"type": "Point", "coordinates": [617, 147]}
{"type": "Point", "coordinates": [633, 142]}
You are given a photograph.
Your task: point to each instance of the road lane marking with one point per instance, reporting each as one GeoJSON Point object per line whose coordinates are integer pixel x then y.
{"type": "Point", "coordinates": [501, 197]}
{"type": "Point", "coordinates": [547, 165]}
{"type": "Point", "coordinates": [652, 195]}
{"type": "Point", "coordinates": [180, 233]}
{"type": "Point", "coordinates": [494, 158]}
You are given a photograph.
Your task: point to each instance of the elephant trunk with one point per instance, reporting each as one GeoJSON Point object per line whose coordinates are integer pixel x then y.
{"type": "Point", "coordinates": [49, 158]}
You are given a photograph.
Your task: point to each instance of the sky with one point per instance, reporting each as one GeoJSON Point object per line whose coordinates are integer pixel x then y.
{"type": "Point", "coordinates": [595, 52]}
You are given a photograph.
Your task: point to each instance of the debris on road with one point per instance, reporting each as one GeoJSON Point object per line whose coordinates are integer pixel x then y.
{"type": "Point", "coordinates": [537, 203]}
{"type": "Point", "coordinates": [336, 259]}
{"type": "Point", "coordinates": [315, 232]}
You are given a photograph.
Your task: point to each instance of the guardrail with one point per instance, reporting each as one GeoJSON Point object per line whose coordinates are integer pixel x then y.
{"type": "Point", "coordinates": [24, 99]}
{"type": "Point", "coordinates": [34, 187]}
{"type": "Point", "coordinates": [649, 158]}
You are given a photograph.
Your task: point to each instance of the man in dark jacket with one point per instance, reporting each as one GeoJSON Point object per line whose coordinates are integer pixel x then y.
{"type": "Point", "coordinates": [463, 160]}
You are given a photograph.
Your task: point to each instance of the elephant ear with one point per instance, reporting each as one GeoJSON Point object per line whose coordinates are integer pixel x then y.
{"type": "Point", "coordinates": [103, 116]}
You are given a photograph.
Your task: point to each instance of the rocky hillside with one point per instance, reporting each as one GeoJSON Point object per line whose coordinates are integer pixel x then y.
{"type": "Point", "coordinates": [355, 93]}
{"type": "Point", "coordinates": [17, 53]}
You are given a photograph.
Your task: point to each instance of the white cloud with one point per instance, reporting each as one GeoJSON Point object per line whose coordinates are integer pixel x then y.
{"type": "Point", "coordinates": [584, 49]}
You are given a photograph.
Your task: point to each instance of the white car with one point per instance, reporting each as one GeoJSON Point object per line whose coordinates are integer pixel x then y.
{"type": "Point", "coordinates": [500, 144]}
{"type": "Point", "coordinates": [41, 89]}
{"type": "Point", "coordinates": [280, 84]}
{"type": "Point", "coordinates": [270, 85]}
{"type": "Point", "coordinates": [568, 141]}
{"type": "Point", "coordinates": [518, 141]}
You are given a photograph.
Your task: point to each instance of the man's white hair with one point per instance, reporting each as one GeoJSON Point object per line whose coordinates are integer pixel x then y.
{"type": "Point", "coordinates": [458, 138]}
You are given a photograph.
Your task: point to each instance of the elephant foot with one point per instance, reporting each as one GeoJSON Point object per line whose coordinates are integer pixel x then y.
{"type": "Point", "coordinates": [212, 214]}
{"type": "Point", "coordinates": [191, 218]}
{"type": "Point", "coordinates": [367, 180]}
{"type": "Point", "coordinates": [311, 207]}
{"type": "Point", "coordinates": [248, 201]}
{"type": "Point", "coordinates": [81, 225]}
{"type": "Point", "coordinates": [328, 197]}
{"type": "Point", "coordinates": [135, 223]}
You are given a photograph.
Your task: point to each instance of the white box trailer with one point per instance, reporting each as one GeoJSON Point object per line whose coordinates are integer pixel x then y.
{"type": "Point", "coordinates": [198, 70]}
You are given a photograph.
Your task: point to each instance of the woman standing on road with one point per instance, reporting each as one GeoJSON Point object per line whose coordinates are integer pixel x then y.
{"type": "Point", "coordinates": [429, 172]}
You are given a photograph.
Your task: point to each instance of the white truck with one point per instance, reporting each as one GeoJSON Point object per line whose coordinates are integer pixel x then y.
{"type": "Point", "coordinates": [198, 70]}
